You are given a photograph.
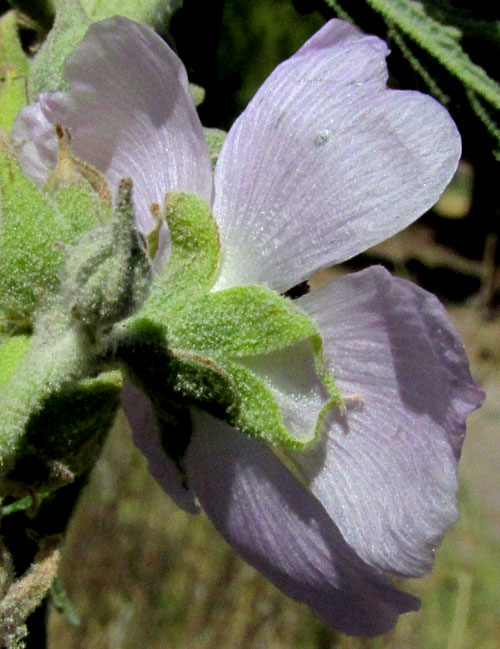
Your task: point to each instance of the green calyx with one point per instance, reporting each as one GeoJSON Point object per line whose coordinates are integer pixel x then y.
{"type": "Point", "coordinates": [204, 347]}
{"type": "Point", "coordinates": [107, 273]}
{"type": "Point", "coordinates": [106, 314]}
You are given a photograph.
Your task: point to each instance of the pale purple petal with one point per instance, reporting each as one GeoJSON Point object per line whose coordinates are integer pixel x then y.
{"type": "Point", "coordinates": [326, 162]}
{"type": "Point", "coordinates": [35, 143]}
{"type": "Point", "coordinates": [145, 434]}
{"type": "Point", "coordinates": [130, 114]}
{"type": "Point", "coordinates": [291, 376]}
{"type": "Point", "coordinates": [386, 472]}
{"type": "Point", "coordinates": [278, 527]}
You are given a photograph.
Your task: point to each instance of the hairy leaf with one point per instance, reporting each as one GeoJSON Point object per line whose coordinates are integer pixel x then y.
{"type": "Point", "coordinates": [241, 321]}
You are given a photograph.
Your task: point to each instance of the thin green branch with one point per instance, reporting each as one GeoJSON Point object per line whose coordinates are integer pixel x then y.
{"type": "Point", "coordinates": [442, 42]}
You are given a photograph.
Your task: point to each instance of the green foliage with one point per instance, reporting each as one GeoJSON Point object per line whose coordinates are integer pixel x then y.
{"type": "Point", "coordinates": [30, 257]}
{"type": "Point", "coordinates": [74, 421]}
{"type": "Point", "coordinates": [56, 404]}
{"type": "Point", "coordinates": [12, 55]}
{"type": "Point", "coordinates": [442, 42]}
{"type": "Point", "coordinates": [156, 13]}
{"type": "Point", "coordinates": [52, 362]}
{"type": "Point", "coordinates": [57, 401]}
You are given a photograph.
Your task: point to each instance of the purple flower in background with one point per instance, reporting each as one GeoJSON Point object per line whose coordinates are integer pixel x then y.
{"type": "Point", "coordinates": [324, 163]}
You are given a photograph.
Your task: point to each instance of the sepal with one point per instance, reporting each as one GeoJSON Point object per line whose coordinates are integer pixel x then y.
{"type": "Point", "coordinates": [205, 357]}
{"type": "Point", "coordinates": [63, 438]}
{"type": "Point", "coordinates": [31, 249]}
{"type": "Point", "coordinates": [238, 324]}
{"type": "Point", "coordinates": [258, 414]}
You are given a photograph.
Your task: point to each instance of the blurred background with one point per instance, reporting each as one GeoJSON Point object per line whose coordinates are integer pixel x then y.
{"type": "Point", "coordinates": [139, 572]}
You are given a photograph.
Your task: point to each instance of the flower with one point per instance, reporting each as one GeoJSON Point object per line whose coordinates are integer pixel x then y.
{"type": "Point", "coordinates": [324, 162]}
